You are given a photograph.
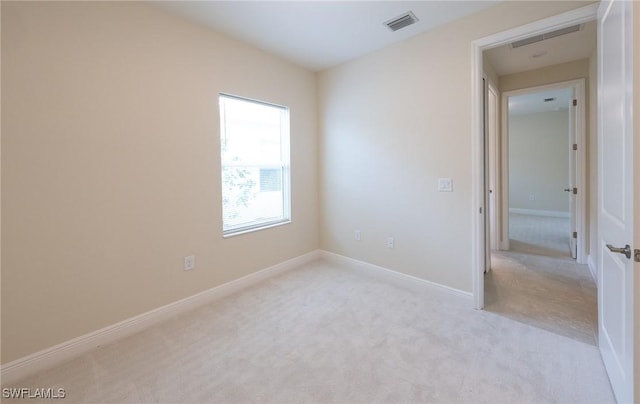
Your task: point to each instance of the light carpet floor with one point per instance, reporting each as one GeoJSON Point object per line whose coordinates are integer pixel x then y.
{"type": "Point", "coordinates": [327, 334]}
{"type": "Point", "coordinates": [555, 294]}
{"type": "Point", "coordinates": [541, 235]}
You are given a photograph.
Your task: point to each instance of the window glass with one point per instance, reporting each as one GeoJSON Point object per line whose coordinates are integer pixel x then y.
{"type": "Point", "coordinates": [254, 144]}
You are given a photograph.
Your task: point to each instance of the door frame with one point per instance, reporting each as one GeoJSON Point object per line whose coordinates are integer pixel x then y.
{"type": "Point", "coordinates": [492, 170]}
{"type": "Point", "coordinates": [478, 211]}
{"type": "Point", "coordinates": [578, 87]}
{"type": "Point", "coordinates": [493, 158]}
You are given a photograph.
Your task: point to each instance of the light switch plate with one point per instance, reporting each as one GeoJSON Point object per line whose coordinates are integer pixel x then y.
{"type": "Point", "coordinates": [445, 185]}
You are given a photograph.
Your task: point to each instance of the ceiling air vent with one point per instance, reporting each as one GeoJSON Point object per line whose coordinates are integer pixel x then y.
{"type": "Point", "coordinates": [547, 35]}
{"type": "Point", "coordinates": [402, 21]}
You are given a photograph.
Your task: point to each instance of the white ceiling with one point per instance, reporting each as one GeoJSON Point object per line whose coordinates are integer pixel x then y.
{"type": "Point", "coordinates": [561, 49]}
{"type": "Point", "coordinates": [534, 102]}
{"type": "Point", "coordinates": [320, 34]}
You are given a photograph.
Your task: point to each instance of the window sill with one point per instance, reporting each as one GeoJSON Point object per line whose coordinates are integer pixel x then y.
{"type": "Point", "coordinates": [232, 233]}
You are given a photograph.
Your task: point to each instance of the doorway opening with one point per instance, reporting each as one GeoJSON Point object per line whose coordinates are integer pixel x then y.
{"type": "Point", "coordinates": [479, 233]}
{"type": "Point", "coordinates": [544, 167]}
{"type": "Point", "coordinates": [535, 278]}
{"type": "Point", "coordinates": [534, 187]}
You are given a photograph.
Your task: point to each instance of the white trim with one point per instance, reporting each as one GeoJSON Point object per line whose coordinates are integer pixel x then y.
{"type": "Point", "coordinates": [582, 173]}
{"type": "Point", "coordinates": [493, 156]}
{"type": "Point", "coordinates": [392, 276]}
{"type": "Point", "coordinates": [504, 172]}
{"type": "Point", "coordinates": [49, 357]}
{"type": "Point", "coordinates": [477, 177]}
{"type": "Point", "coordinates": [577, 16]}
{"type": "Point", "coordinates": [591, 263]}
{"type": "Point", "coordinates": [540, 212]}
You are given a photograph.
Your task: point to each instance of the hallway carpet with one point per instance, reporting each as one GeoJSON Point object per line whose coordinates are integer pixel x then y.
{"type": "Point", "coordinates": [328, 334]}
{"type": "Point", "coordinates": [541, 235]}
{"type": "Point", "coordinates": [554, 294]}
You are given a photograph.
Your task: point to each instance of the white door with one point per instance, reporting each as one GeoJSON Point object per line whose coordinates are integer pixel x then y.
{"type": "Point", "coordinates": [615, 195]}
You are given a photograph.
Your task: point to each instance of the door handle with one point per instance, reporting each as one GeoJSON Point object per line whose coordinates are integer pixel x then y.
{"type": "Point", "coordinates": [626, 251]}
{"type": "Point", "coordinates": [567, 190]}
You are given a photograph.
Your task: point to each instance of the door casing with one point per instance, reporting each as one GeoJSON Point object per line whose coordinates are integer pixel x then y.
{"type": "Point", "coordinates": [492, 157]}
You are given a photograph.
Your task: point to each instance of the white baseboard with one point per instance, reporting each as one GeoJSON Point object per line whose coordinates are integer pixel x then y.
{"type": "Point", "coordinates": [46, 358]}
{"type": "Point", "coordinates": [395, 277]}
{"type": "Point", "coordinates": [540, 212]}
{"type": "Point", "coordinates": [593, 268]}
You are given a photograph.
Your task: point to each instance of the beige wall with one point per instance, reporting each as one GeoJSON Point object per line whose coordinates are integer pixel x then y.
{"type": "Point", "coordinates": [392, 123]}
{"type": "Point", "coordinates": [539, 161]}
{"type": "Point", "coordinates": [110, 165]}
{"type": "Point", "coordinates": [577, 69]}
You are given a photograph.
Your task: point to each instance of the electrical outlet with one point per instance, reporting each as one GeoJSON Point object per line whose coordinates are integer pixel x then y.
{"type": "Point", "coordinates": [356, 235]}
{"type": "Point", "coordinates": [189, 262]}
{"type": "Point", "coordinates": [532, 197]}
{"type": "Point", "coordinates": [390, 242]}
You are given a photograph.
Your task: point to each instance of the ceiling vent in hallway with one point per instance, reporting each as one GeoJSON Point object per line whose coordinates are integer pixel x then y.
{"type": "Point", "coordinates": [546, 35]}
{"type": "Point", "coordinates": [402, 21]}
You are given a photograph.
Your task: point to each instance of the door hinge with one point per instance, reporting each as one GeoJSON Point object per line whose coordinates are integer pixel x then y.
{"type": "Point", "coordinates": [636, 255]}
{"type": "Point", "coordinates": [480, 209]}
{"type": "Point", "coordinates": [575, 146]}
{"type": "Point", "coordinates": [575, 103]}
{"type": "Point", "coordinates": [575, 234]}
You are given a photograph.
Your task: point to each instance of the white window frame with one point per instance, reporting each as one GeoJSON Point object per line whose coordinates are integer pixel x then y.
{"type": "Point", "coordinates": [284, 164]}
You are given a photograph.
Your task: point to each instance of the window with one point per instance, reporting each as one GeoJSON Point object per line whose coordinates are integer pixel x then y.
{"type": "Point", "coordinates": [254, 144]}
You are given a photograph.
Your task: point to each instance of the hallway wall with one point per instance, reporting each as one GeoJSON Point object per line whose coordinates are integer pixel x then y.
{"type": "Point", "coordinates": [539, 162]}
